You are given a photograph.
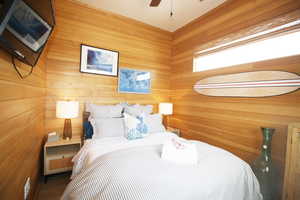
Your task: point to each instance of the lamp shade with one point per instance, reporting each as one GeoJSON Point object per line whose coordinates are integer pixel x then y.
{"type": "Point", "coordinates": [67, 109]}
{"type": "Point", "coordinates": [166, 108]}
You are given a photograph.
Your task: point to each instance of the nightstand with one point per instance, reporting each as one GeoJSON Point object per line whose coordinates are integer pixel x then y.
{"type": "Point", "coordinates": [174, 130]}
{"type": "Point", "coordinates": [58, 155]}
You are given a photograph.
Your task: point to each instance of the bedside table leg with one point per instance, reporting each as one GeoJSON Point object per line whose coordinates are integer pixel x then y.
{"type": "Point", "coordinates": [45, 179]}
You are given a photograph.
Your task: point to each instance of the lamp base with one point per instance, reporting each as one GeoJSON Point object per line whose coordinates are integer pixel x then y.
{"type": "Point", "coordinates": [67, 129]}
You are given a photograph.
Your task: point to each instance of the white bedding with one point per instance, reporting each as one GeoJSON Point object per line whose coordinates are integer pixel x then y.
{"type": "Point", "coordinates": [93, 148]}
{"type": "Point", "coordinates": [219, 175]}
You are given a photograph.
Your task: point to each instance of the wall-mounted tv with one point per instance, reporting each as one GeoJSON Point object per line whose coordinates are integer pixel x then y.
{"type": "Point", "coordinates": [25, 27]}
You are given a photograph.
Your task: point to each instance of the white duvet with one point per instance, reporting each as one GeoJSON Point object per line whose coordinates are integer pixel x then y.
{"type": "Point", "coordinates": [119, 169]}
{"type": "Point", "coordinates": [94, 148]}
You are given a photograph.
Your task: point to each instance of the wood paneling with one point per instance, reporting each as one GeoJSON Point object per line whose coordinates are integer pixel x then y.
{"type": "Point", "coordinates": [231, 123]}
{"type": "Point", "coordinates": [22, 103]}
{"type": "Point", "coordinates": [141, 47]}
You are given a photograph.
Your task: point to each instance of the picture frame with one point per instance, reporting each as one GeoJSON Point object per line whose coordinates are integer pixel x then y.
{"type": "Point", "coordinates": [134, 81]}
{"type": "Point", "coordinates": [99, 61]}
{"type": "Point", "coordinates": [28, 27]}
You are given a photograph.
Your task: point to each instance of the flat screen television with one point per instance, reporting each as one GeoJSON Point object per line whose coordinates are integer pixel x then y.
{"type": "Point", "coordinates": [25, 28]}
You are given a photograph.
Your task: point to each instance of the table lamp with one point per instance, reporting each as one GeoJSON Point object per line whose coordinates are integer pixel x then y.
{"type": "Point", "coordinates": [67, 110]}
{"type": "Point", "coordinates": [166, 109]}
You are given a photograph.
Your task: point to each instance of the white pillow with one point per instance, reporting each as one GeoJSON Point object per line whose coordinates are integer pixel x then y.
{"type": "Point", "coordinates": [154, 123]}
{"type": "Point", "coordinates": [147, 109]}
{"type": "Point", "coordinates": [104, 111]}
{"type": "Point", "coordinates": [108, 127]}
{"type": "Point", "coordinates": [138, 110]}
{"type": "Point", "coordinates": [123, 104]}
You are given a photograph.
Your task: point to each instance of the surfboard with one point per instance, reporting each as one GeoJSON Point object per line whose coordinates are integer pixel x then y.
{"type": "Point", "coordinates": [249, 84]}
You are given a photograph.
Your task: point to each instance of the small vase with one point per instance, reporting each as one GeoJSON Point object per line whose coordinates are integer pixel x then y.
{"type": "Point", "coordinates": [264, 168]}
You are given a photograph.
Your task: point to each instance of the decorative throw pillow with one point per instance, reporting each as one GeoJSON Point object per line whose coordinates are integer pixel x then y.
{"type": "Point", "coordinates": [88, 130]}
{"type": "Point", "coordinates": [135, 127]}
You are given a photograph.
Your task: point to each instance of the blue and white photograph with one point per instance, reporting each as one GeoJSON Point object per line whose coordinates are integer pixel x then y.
{"type": "Point", "coordinates": [134, 81]}
{"type": "Point", "coordinates": [28, 26]}
{"type": "Point", "coordinates": [99, 61]}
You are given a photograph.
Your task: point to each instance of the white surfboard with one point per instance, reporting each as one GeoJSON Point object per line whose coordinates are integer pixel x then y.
{"type": "Point", "coordinates": [249, 84]}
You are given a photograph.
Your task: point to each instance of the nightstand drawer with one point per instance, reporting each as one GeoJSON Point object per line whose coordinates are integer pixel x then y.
{"type": "Point", "coordinates": [65, 162]}
{"type": "Point", "coordinates": [58, 155]}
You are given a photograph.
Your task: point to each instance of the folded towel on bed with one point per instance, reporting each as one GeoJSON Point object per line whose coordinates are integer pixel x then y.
{"type": "Point", "coordinates": [180, 151]}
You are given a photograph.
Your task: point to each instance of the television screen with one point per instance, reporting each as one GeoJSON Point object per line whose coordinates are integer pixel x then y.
{"type": "Point", "coordinates": [28, 28]}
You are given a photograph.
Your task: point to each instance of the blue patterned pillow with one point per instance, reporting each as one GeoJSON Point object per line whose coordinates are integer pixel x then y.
{"type": "Point", "coordinates": [88, 130]}
{"type": "Point", "coordinates": [135, 127]}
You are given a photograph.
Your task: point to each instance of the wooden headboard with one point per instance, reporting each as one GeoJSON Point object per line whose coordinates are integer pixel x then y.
{"type": "Point", "coordinates": [85, 117]}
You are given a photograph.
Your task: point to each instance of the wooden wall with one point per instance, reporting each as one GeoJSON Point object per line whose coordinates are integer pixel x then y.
{"type": "Point", "coordinates": [141, 47]}
{"type": "Point", "coordinates": [231, 123]}
{"type": "Point", "coordinates": [22, 105]}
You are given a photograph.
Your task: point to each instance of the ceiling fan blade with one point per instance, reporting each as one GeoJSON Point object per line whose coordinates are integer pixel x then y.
{"type": "Point", "coordinates": [155, 3]}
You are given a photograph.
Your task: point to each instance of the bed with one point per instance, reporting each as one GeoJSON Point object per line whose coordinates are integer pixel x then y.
{"type": "Point", "coordinates": [115, 168]}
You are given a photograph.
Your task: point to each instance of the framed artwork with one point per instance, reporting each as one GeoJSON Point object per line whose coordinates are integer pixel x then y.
{"type": "Point", "coordinates": [99, 61]}
{"type": "Point", "coordinates": [134, 81]}
{"type": "Point", "coordinates": [28, 27]}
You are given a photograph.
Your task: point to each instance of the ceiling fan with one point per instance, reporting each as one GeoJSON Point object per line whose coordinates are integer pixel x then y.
{"type": "Point", "coordinates": [155, 3]}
